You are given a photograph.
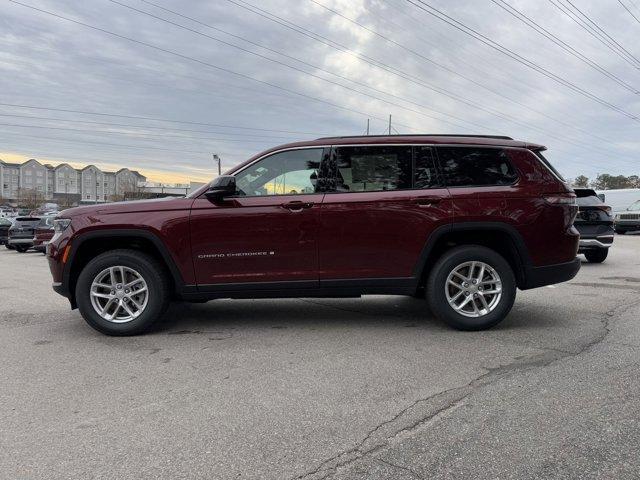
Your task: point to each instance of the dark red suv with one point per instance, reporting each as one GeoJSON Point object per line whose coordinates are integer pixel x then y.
{"type": "Point", "coordinates": [460, 220]}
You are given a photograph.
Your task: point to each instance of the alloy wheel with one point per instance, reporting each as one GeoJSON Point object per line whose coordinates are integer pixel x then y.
{"type": "Point", "coordinates": [473, 289]}
{"type": "Point", "coordinates": [119, 294]}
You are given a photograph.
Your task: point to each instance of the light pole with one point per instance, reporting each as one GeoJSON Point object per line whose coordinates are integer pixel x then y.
{"type": "Point", "coordinates": [216, 158]}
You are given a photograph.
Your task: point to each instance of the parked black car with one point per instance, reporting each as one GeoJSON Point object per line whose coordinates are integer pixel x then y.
{"type": "Point", "coordinates": [5, 223]}
{"type": "Point", "coordinates": [595, 224]}
{"type": "Point", "coordinates": [21, 233]}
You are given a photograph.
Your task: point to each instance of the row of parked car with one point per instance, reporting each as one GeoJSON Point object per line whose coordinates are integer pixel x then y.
{"type": "Point", "coordinates": [23, 233]}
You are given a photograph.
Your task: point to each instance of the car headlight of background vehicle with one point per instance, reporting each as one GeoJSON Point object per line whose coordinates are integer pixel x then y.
{"type": "Point", "coordinates": [617, 217]}
{"type": "Point", "coordinates": [60, 224]}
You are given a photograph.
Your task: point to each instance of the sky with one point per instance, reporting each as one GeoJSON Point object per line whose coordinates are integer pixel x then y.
{"type": "Point", "coordinates": [161, 85]}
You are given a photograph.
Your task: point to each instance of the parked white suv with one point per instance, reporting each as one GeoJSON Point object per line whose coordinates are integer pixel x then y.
{"type": "Point", "coordinates": [628, 220]}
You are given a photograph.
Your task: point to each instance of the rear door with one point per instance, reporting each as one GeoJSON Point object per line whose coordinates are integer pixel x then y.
{"type": "Point", "coordinates": [383, 204]}
{"type": "Point", "coordinates": [482, 181]}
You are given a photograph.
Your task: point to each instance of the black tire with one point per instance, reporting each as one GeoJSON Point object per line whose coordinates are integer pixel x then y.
{"type": "Point", "coordinates": [153, 273]}
{"type": "Point", "coordinates": [21, 248]}
{"type": "Point", "coordinates": [437, 281]}
{"type": "Point", "coordinates": [597, 256]}
{"type": "Point", "coordinates": [9, 247]}
{"type": "Point", "coordinates": [621, 232]}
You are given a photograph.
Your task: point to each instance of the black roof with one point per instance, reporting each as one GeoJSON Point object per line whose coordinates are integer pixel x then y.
{"type": "Point", "coordinates": [497, 137]}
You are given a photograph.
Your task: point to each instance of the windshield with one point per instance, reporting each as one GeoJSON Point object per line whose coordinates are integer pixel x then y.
{"type": "Point", "coordinates": [634, 206]}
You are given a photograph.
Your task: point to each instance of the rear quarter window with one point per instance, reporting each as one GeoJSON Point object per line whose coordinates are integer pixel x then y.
{"type": "Point", "coordinates": [475, 166]}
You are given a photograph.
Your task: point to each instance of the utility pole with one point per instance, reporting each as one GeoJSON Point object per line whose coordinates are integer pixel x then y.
{"type": "Point", "coordinates": [389, 124]}
{"type": "Point", "coordinates": [216, 158]}
{"type": "Point", "coordinates": [367, 126]}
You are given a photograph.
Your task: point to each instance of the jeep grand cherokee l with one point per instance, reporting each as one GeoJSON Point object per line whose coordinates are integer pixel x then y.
{"type": "Point", "coordinates": [460, 220]}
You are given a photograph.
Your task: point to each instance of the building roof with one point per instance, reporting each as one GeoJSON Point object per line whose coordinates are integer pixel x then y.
{"type": "Point", "coordinates": [29, 161]}
{"type": "Point", "coordinates": [13, 165]}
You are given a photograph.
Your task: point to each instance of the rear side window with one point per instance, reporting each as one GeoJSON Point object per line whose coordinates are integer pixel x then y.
{"type": "Point", "coordinates": [373, 169]}
{"type": "Point", "coordinates": [473, 166]}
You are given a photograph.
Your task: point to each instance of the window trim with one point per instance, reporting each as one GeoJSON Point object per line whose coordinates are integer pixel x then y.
{"type": "Point", "coordinates": [436, 159]}
{"type": "Point", "coordinates": [263, 157]}
{"type": "Point", "coordinates": [484, 185]}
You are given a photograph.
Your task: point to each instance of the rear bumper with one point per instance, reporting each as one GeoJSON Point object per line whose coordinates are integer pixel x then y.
{"type": "Point", "coordinates": [601, 241]}
{"type": "Point", "coordinates": [21, 241]}
{"type": "Point", "coordinates": [550, 274]}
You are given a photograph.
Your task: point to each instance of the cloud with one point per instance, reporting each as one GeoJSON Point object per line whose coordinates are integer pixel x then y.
{"type": "Point", "coordinates": [445, 81]}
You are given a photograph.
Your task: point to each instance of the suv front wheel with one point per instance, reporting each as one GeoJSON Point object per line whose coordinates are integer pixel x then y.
{"type": "Point", "coordinates": [122, 292]}
{"type": "Point", "coordinates": [471, 288]}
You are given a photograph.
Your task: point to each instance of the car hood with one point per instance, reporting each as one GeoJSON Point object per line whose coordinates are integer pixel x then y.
{"type": "Point", "coordinates": [149, 205]}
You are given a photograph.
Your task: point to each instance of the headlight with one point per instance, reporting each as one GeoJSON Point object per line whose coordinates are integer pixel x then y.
{"type": "Point", "coordinates": [60, 224]}
{"type": "Point", "coordinates": [617, 217]}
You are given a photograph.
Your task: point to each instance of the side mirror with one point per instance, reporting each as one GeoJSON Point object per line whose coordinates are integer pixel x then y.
{"type": "Point", "coordinates": [221, 187]}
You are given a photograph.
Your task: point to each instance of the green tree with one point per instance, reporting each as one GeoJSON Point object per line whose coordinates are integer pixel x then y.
{"type": "Point", "coordinates": [604, 181]}
{"type": "Point", "coordinates": [581, 181]}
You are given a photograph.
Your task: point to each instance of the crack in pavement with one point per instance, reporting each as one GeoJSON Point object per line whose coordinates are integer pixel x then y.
{"type": "Point", "coordinates": [400, 467]}
{"type": "Point", "coordinates": [429, 409]}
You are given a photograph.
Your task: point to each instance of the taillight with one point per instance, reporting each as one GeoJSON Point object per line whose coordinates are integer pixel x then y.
{"type": "Point", "coordinates": [560, 199]}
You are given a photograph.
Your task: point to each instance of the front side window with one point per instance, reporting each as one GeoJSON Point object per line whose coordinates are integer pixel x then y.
{"type": "Point", "coordinates": [294, 172]}
{"type": "Point", "coordinates": [373, 169]}
{"type": "Point", "coordinates": [474, 166]}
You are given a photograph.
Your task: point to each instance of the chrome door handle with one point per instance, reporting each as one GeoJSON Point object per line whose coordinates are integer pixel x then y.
{"type": "Point", "coordinates": [297, 206]}
{"type": "Point", "coordinates": [427, 201]}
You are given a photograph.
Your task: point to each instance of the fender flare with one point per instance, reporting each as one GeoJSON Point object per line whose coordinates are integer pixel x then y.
{"type": "Point", "coordinates": [514, 235]}
{"type": "Point", "coordinates": [80, 239]}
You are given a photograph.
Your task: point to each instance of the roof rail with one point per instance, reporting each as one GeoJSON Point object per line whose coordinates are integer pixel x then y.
{"type": "Point", "coordinates": [497, 137]}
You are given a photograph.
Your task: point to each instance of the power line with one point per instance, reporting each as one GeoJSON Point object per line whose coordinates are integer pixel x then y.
{"type": "Point", "coordinates": [453, 96]}
{"type": "Point", "coordinates": [146, 127]}
{"type": "Point", "coordinates": [601, 30]}
{"type": "Point", "coordinates": [519, 58]}
{"type": "Point", "coordinates": [155, 119]}
{"type": "Point", "coordinates": [565, 46]}
{"type": "Point", "coordinates": [594, 33]}
{"type": "Point", "coordinates": [202, 62]}
{"type": "Point", "coordinates": [119, 145]}
{"type": "Point", "coordinates": [630, 12]}
{"type": "Point", "coordinates": [453, 71]}
{"type": "Point", "coordinates": [413, 52]}
{"type": "Point", "coordinates": [162, 135]}
{"type": "Point", "coordinates": [295, 27]}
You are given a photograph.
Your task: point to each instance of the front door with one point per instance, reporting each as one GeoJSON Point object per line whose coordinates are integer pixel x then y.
{"type": "Point", "coordinates": [267, 232]}
{"type": "Point", "coordinates": [386, 202]}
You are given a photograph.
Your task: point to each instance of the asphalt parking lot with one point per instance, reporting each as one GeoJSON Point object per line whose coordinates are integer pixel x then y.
{"type": "Point", "coordinates": [370, 388]}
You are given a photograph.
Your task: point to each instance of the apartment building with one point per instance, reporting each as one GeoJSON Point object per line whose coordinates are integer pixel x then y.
{"type": "Point", "coordinates": [63, 182]}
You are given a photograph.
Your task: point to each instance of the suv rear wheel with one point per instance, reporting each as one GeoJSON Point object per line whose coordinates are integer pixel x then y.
{"type": "Point", "coordinates": [471, 288]}
{"type": "Point", "coordinates": [122, 292]}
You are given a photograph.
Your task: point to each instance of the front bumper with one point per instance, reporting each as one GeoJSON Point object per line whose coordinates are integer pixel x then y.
{"type": "Point", "coordinates": [550, 274]}
{"type": "Point", "coordinates": [626, 225]}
